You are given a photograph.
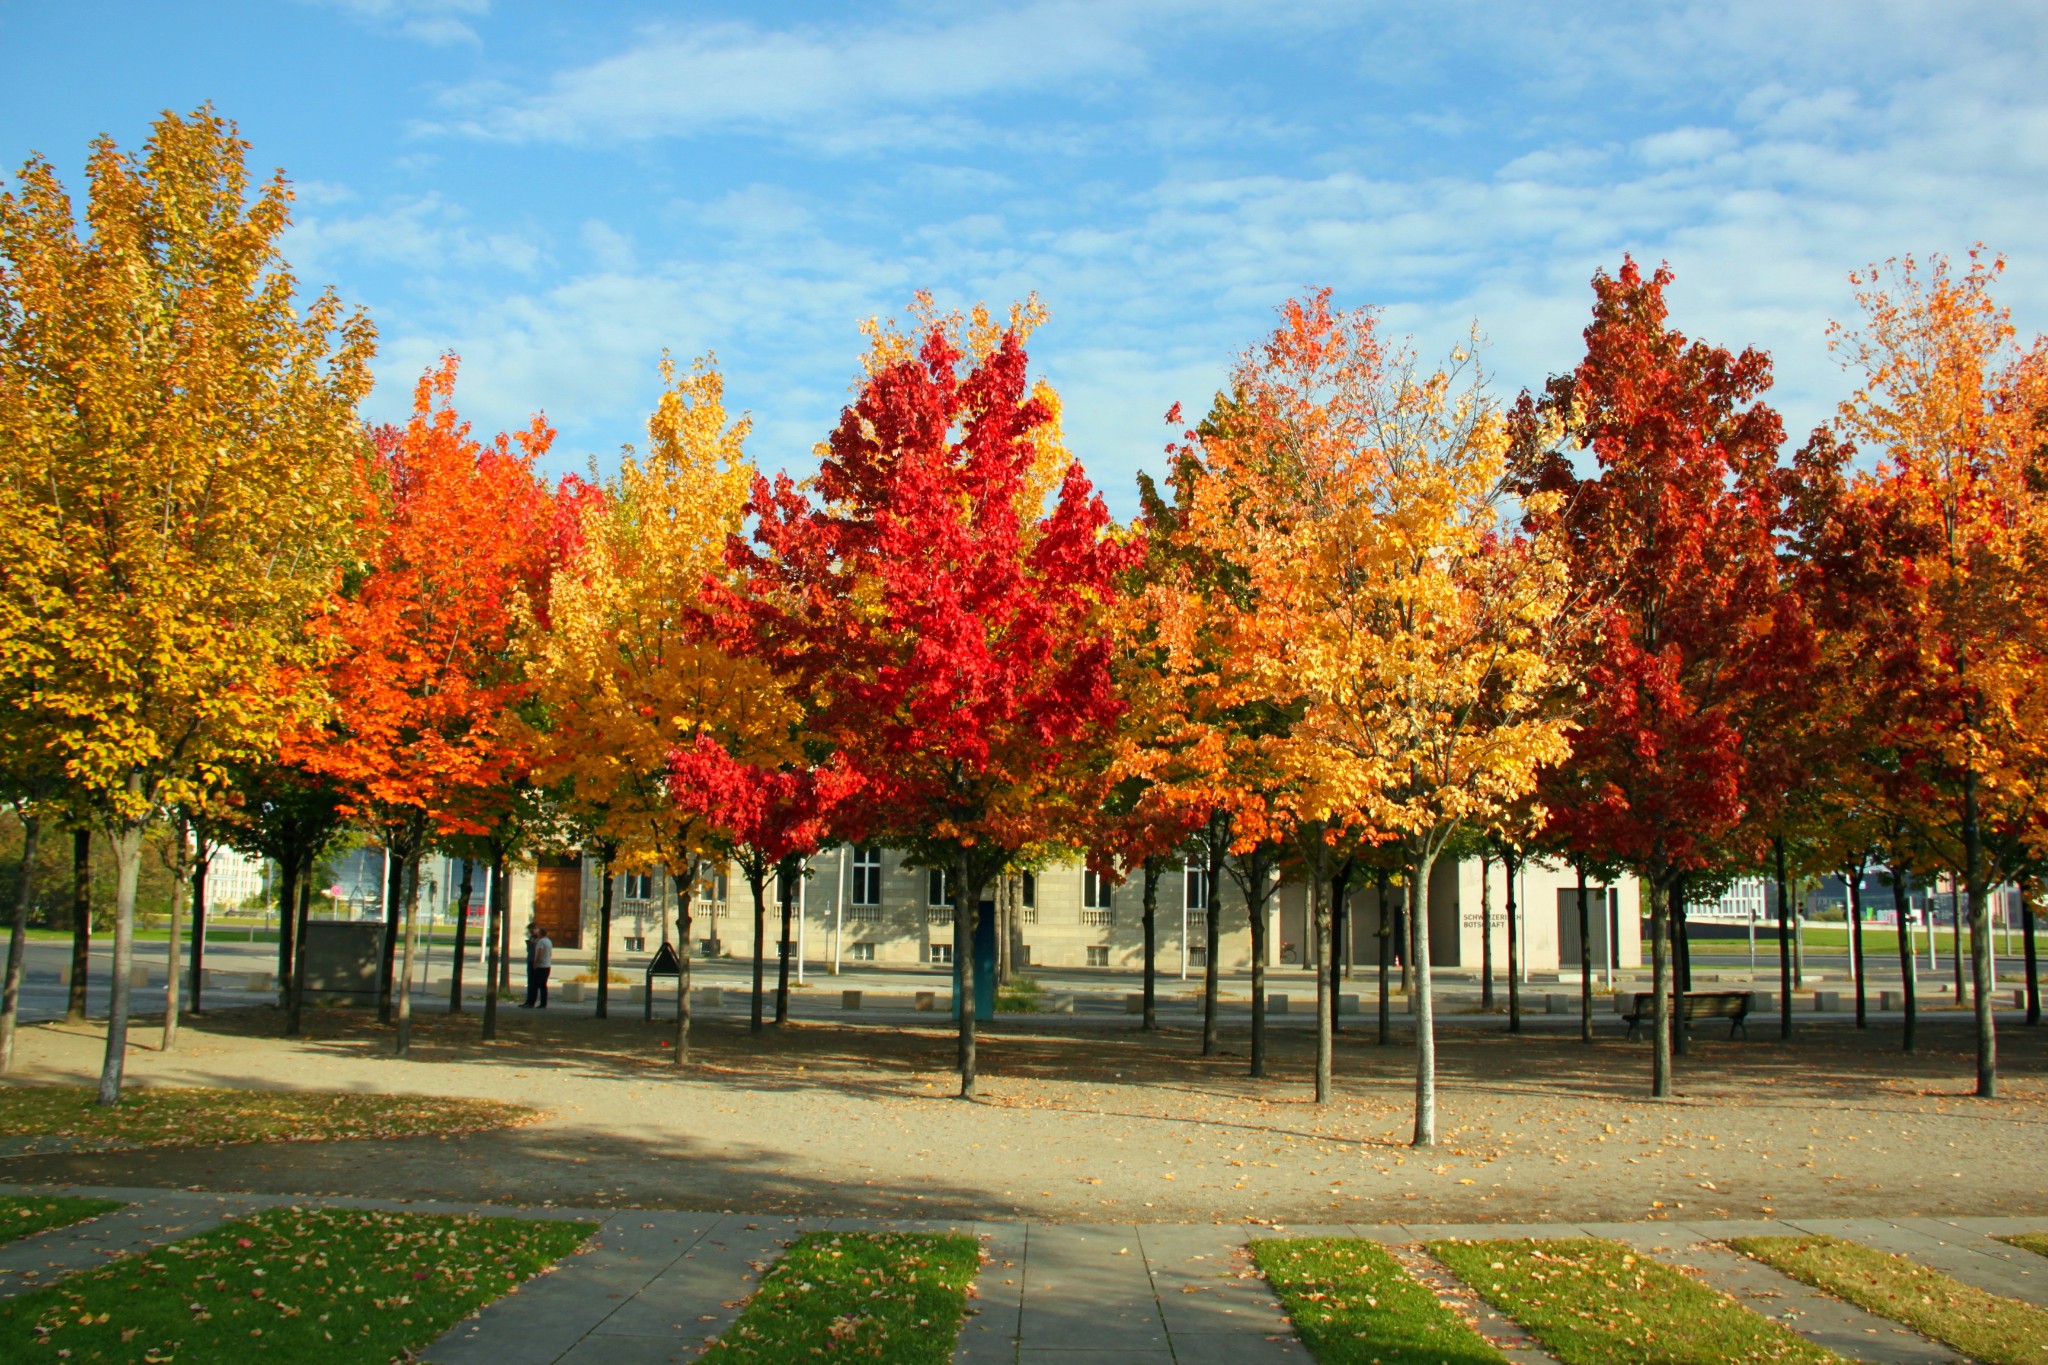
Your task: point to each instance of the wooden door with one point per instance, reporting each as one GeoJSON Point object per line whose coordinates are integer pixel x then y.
{"type": "Point", "coordinates": [558, 904]}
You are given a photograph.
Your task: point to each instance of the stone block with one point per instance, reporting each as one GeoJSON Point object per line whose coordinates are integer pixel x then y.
{"type": "Point", "coordinates": [1763, 1002]}
{"type": "Point", "coordinates": [710, 998]}
{"type": "Point", "coordinates": [849, 1000]}
{"type": "Point", "coordinates": [1134, 1004]}
{"type": "Point", "coordinates": [927, 1000]}
{"type": "Point", "coordinates": [1891, 1000]}
{"type": "Point", "coordinates": [572, 992]}
{"type": "Point", "coordinates": [1061, 1003]}
{"type": "Point", "coordinates": [1557, 1004]}
{"type": "Point", "coordinates": [1827, 1002]}
{"type": "Point", "coordinates": [260, 983]}
{"type": "Point", "coordinates": [138, 978]}
{"type": "Point", "coordinates": [1347, 1004]}
{"type": "Point", "coordinates": [1276, 1004]}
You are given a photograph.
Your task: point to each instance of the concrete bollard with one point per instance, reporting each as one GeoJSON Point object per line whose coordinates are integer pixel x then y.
{"type": "Point", "coordinates": [1275, 1004]}
{"type": "Point", "coordinates": [1763, 1002]}
{"type": "Point", "coordinates": [1624, 1001]}
{"type": "Point", "coordinates": [1891, 1000]}
{"type": "Point", "coordinates": [260, 983]}
{"type": "Point", "coordinates": [710, 998]}
{"type": "Point", "coordinates": [138, 978]}
{"type": "Point", "coordinates": [1134, 1004]}
{"type": "Point", "coordinates": [927, 1000]}
{"type": "Point", "coordinates": [1347, 1004]}
{"type": "Point", "coordinates": [1557, 1004]}
{"type": "Point", "coordinates": [2019, 998]}
{"type": "Point", "coordinates": [64, 972]}
{"type": "Point", "coordinates": [849, 1000]}
{"type": "Point", "coordinates": [572, 992]}
{"type": "Point", "coordinates": [1827, 1002]}
{"type": "Point", "coordinates": [1060, 1004]}
{"type": "Point", "coordinates": [636, 993]}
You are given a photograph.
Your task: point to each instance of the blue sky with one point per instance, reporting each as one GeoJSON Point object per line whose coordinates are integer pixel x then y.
{"type": "Point", "coordinates": [558, 192]}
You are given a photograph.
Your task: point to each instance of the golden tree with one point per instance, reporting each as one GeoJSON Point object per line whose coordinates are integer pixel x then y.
{"type": "Point", "coordinates": [624, 664]}
{"type": "Point", "coordinates": [1418, 636]}
{"type": "Point", "coordinates": [175, 486]}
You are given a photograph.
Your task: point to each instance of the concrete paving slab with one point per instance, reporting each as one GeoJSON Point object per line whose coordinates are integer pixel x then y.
{"type": "Point", "coordinates": [32, 1262]}
{"type": "Point", "coordinates": [1086, 1288]}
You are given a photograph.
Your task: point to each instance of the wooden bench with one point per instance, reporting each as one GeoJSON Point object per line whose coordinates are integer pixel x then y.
{"type": "Point", "coordinates": [1695, 1005]}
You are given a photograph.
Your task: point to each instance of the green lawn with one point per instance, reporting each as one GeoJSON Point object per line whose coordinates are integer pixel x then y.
{"type": "Point", "coordinates": [1021, 996]}
{"type": "Point", "coordinates": [167, 1116]}
{"type": "Point", "coordinates": [25, 1216]}
{"type": "Point", "coordinates": [339, 1286]}
{"type": "Point", "coordinates": [2036, 1242]}
{"type": "Point", "coordinates": [1353, 1304]}
{"type": "Point", "coordinates": [1984, 1327]}
{"type": "Point", "coordinates": [1592, 1302]}
{"type": "Point", "coordinates": [894, 1296]}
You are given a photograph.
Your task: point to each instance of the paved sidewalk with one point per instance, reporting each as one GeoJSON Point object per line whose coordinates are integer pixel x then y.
{"type": "Point", "coordinates": [652, 1288]}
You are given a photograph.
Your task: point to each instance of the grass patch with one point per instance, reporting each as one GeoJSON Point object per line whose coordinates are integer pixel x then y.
{"type": "Point", "coordinates": [167, 1116]}
{"type": "Point", "coordinates": [895, 1296]}
{"type": "Point", "coordinates": [1021, 996]}
{"type": "Point", "coordinates": [1984, 1327]}
{"type": "Point", "coordinates": [334, 1285]}
{"type": "Point", "coordinates": [1353, 1304]}
{"type": "Point", "coordinates": [2036, 1242]}
{"type": "Point", "coordinates": [25, 1217]}
{"type": "Point", "coordinates": [1594, 1302]}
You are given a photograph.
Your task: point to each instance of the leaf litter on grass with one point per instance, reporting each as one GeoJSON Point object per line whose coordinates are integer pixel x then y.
{"type": "Point", "coordinates": [339, 1286]}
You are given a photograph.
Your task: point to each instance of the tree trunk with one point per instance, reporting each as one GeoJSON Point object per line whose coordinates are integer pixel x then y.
{"type": "Point", "coordinates": [1404, 934]}
{"type": "Point", "coordinates": [1154, 866]}
{"type": "Point", "coordinates": [501, 890]}
{"type": "Point", "coordinates": [1340, 942]}
{"type": "Point", "coordinates": [2033, 965]}
{"type": "Point", "coordinates": [1681, 967]}
{"type": "Point", "coordinates": [1908, 964]}
{"type": "Point", "coordinates": [462, 941]}
{"type": "Point", "coordinates": [1585, 961]}
{"type": "Point", "coordinates": [1955, 925]}
{"type": "Point", "coordinates": [126, 837]}
{"type": "Point", "coordinates": [1507, 865]}
{"type": "Point", "coordinates": [296, 1000]}
{"type": "Point", "coordinates": [173, 959]}
{"type": "Point", "coordinates": [402, 1046]}
{"type": "Point", "coordinates": [604, 937]}
{"type": "Point", "coordinates": [17, 935]}
{"type": "Point", "coordinates": [1213, 929]}
{"type": "Point", "coordinates": [81, 922]}
{"type": "Point", "coordinates": [1485, 930]}
{"type": "Point", "coordinates": [1326, 997]}
{"type": "Point", "coordinates": [785, 885]}
{"type": "Point", "coordinates": [1423, 1002]}
{"type": "Point", "coordinates": [756, 882]}
{"type": "Point", "coordinates": [494, 943]}
{"type": "Point", "coordinates": [1386, 939]}
{"type": "Point", "coordinates": [1255, 868]}
{"type": "Point", "coordinates": [1784, 942]}
{"type": "Point", "coordinates": [1855, 880]}
{"type": "Point", "coordinates": [287, 937]}
{"type": "Point", "coordinates": [394, 894]}
{"type": "Point", "coordinates": [966, 909]}
{"type": "Point", "coordinates": [1660, 988]}
{"type": "Point", "coordinates": [684, 957]}
{"type": "Point", "coordinates": [1980, 942]}
{"type": "Point", "coordinates": [202, 860]}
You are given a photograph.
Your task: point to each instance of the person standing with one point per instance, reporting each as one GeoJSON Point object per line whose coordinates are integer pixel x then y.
{"type": "Point", "coordinates": [540, 960]}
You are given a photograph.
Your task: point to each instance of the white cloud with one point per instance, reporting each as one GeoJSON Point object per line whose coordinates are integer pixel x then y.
{"type": "Point", "coordinates": [423, 233]}
{"type": "Point", "coordinates": [437, 22]}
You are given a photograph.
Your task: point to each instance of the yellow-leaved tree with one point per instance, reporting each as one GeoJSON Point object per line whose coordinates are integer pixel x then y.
{"type": "Point", "coordinates": [1422, 640]}
{"type": "Point", "coordinates": [625, 666]}
{"type": "Point", "coordinates": [177, 478]}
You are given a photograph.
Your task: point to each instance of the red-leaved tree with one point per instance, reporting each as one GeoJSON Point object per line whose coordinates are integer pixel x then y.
{"type": "Point", "coordinates": [948, 639]}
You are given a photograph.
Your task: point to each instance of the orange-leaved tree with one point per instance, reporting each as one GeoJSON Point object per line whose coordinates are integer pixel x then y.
{"type": "Point", "coordinates": [424, 679]}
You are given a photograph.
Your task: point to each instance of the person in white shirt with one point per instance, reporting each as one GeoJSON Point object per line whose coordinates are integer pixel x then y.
{"type": "Point", "coordinates": [540, 960]}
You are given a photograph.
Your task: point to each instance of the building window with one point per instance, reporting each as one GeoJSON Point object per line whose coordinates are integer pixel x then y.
{"type": "Point", "coordinates": [942, 954]}
{"type": "Point", "coordinates": [862, 952]}
{"type": "Point", "coordinates": [935, 887]}
{"type": "Point", "coordinates": [1028, 896]}
{"type": "Point", "coordinates": [1197, 897]}
{"type": "Point", "coordinates": [639, 886]}
{"type": "Point", "coordinates": [1098, 955]}
{"type": "Point", "coordinates": [1097, 892]}
{"type": "Point", "coordinates": [867, 876]}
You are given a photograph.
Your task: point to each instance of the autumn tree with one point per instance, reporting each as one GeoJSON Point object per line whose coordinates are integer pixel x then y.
{"type": "Point", "coordinates": [625, 665]}
{"type": "Point", "coordinates": [947, 636]}
{"type": "Point", "coordinates": [1950, 403]}
{"type": "Point", "coordinates": [1423, 639]}
{"type": "Point", "coordinates": [1674, 532]}
{"type": "Point", "coordinates": [176, 483]}
{"type": "Point", "coordinates": [424, 681]}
